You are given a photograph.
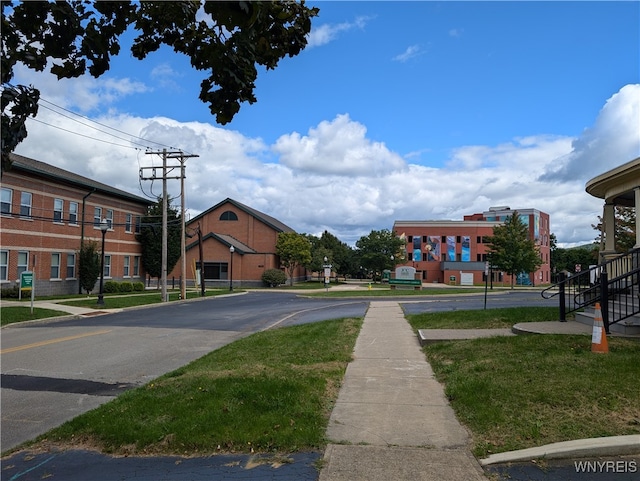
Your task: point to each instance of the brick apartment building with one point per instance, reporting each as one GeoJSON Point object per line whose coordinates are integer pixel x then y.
{"type": "Point", "coordinates": [251, 233]}
{"type": "Point", "coordinates": [45, 214]}
{"type": "Point", "coordinates": [455, 252]}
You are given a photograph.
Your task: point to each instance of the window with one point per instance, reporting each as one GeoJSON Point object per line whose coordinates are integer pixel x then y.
{"type": "Point", "coordinates": [136, 266]}
{"type": "Point", "coordinates": [25, 204]}
{"type": "Point", "coordinates": [458, 239]}
{"type": "Point", "coordinates": [4, 265]}
{"type": "Point", "coordinates": [71, 266]}
{"type": "Point", "coordinates": [23, 262]}
{"type": "Point", "coordinates": [228, 215]}
{"type": "Point", "coordinates": [97, 216]}
{"type": "Point", "coordinates": [107, 266]}
{"type": "Point", "coordinates": [215, 270]}
{"type": "Point", "coordinates": [73, 213]}
{"type": "Point", "coordinates": [110, 218]}
{"type": "Point", "coordinates": [127, 222]}
{"type": "Point", "coordinates": [127, 260]}
{"type": "Point", "coordinates": [6, 201]}
{"type": "Point", "coordinates": [478, 239]}
{"type": "Point", "coordinates": [58, 205]}
{"type": "Point", "coordinates": [55, 265]}
{"type": "Point", "coordinates": [138, 224]}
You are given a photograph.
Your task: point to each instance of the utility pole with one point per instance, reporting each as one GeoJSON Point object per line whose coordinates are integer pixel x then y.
{"type": "Point", "coordinates": [165, 176]}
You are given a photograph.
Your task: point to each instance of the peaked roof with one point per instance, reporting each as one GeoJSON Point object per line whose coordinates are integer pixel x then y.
{"type": "Point", "coordinates": [261, 216]}
{"type": "Point", "coordinates": [26, 164]}
{"type": "Point", "coordinates": [240, 247]}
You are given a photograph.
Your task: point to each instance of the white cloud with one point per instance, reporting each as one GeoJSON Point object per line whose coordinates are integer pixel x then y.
{"type": "Point", "coordinates": [323, 34]}
{"type": "Point", "coordinates": [411, 52]}
{"type": "Point", "coordinates": [337, 147]}
{"type": "Point", "coordinates": [334, 177]}
{"type": "Point", "coordinates": [613, 140]}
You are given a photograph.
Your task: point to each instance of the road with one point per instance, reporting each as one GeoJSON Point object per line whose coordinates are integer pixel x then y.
{"type": "Point", "coordinates": [53, 371]}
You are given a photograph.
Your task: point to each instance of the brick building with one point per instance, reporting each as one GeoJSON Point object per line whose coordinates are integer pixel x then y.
{"type": "Point", "coordinates": [46, 212]}
{"type": "Point", "coordinates": [455, 252]}
{"type": "Point", "coordinates": [251, 233]}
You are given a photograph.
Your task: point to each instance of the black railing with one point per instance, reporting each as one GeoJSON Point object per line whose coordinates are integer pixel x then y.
{"type": "Point", "coordinates": [615, 284]}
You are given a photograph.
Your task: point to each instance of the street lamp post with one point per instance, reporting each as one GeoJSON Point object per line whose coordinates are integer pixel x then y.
{"type": "Point", "coordinates": [231, 250]}
{"type": "Point", "coordinates": [104, 226]}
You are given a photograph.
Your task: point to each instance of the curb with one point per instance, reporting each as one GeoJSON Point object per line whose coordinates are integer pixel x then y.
{"type": "Point", "coordinates": [607, 446]}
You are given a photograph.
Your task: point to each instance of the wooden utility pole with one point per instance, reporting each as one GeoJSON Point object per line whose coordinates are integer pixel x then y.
{"type": "Point", "coordinates": [182, 157]}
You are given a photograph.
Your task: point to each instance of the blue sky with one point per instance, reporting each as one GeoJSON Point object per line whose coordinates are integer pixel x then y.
{"type": "Point", "coordinates": [395, 111]}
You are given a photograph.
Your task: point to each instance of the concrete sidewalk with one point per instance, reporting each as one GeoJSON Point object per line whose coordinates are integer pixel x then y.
{"type": "Point", "coordinates": [392, 419]}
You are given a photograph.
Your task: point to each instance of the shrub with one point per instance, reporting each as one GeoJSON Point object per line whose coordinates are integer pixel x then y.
{"type": "Point", "coordinates": [111, 286]}
{"type": "Point", "coordinates": [10, 292]}
{"type": "Point", "coordinates": [274, 277]}
{"type": "Point", "coordinates": [126, 286]}
{"type": "Point", "coordinates": [138, 286]}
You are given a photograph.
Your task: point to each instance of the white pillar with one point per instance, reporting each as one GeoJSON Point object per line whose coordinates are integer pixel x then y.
{"type": "Point", "coordinates": [637, 206]}
{"type": "Point", "coordinates": [609, 221]}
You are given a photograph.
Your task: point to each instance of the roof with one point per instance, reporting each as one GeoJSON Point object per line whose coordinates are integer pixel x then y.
{"type": "Point", "coordinates": [261, 216]}
{"type": "Point", "coordinates": [617, 185]}
{"type": "Point", "coordinates": [240, 247]}
{"type": "Point", "coordinates": [32, 166]}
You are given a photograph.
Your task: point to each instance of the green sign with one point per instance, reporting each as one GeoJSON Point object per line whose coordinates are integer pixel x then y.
{"type": "Point", "coordinates": [406, 282]}
{"type": "Point", "coordinates": [26, 280]}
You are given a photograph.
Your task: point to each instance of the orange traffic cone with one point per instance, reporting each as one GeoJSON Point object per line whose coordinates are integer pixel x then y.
{"type": "Point", "coordinates": [599, 336]}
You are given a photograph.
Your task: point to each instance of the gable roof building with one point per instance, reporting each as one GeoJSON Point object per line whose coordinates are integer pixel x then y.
{"type": "Point", "coordinates": [251, 233]}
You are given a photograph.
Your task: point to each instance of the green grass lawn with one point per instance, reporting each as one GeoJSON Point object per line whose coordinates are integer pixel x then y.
{"type": "Point", "coordinates": [270, 392]}
{"type": "Point", "coordinates": [120, 301]}
{"type": "Point", "coordinates": [482, 319]}
{"type": "Point", "coordinates": [525, 391]}
{"type": "Point", "coordinates": [12, 314]}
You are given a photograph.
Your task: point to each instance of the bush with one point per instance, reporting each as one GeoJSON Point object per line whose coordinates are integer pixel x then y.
{"type": "Point", "coordinates": [274, 277]}
{"type": "Point", "coordinates": [111, 287]}
{"type": "Point", "coordinates": [10, 292]}
{"type": "Point", "coordinates": [126, 286]}
{"type": "Point", "coordinates": [138, 286]}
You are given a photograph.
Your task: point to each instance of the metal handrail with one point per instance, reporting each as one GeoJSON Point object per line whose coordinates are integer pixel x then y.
{"type": "Point", "coordinates": [594, 285]}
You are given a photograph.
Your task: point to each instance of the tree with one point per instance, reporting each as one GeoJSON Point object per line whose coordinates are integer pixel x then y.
{"type": "Point", "coordinates": [89, 265]}
{"type": "Point", "coordinates": [625, 228]}
{"type": "Point", "coordinates": [379, 250]}
{"type": "Point", "coordinates": [73, 37]}
{"type": "Point", "coordinates": [294, 250]}
{"type": "Point", "coordinates": [150, 238]}
{"type": "Point", "coordinates": [510, 248]}
{"type": "Point", "coordinates": [339, 254]}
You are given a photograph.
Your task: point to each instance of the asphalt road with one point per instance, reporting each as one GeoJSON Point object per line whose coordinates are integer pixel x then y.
{"type": "Point", "coordinates": [54, 371]}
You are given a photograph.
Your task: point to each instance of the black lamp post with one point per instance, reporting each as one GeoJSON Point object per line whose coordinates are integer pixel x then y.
{"type": "Point", "coordinates": [231, 250]}
{"type": "Point", "coordinates": [104, 226]}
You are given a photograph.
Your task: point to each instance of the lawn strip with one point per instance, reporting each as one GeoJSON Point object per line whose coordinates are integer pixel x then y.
{"type": "Point", "coordinates": [482, 319]}
{"type": "Point", "coordinates": [525, 391]}
{"type": "Point", "coordinates": [13, 314]}
{"type": "Point", "coordinates": [269, 392]}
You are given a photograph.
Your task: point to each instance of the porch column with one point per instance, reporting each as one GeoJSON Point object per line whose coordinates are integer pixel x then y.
{"type": "Point", "coordinates": [609, 227]}
{"type": "Point", "coordinates": [637, 207]}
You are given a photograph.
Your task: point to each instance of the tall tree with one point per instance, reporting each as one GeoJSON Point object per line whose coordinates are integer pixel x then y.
{"type": "Point", "coordinates": [294, 250]}
{"type": "Point", "coordinates": [338, 253]}
{"type": "Point", "coordinates": [379, 250]}
{"type": "Point", "coordinates": [150, 238]}
{"type": "Point", "coordinates": [625, 228]}
{"type": "Point", "coordinates": [89, 265]}
{"type": "Point", "coordinates": [511, 249]}
{"type": "Point", "coordinates": [225, 39]}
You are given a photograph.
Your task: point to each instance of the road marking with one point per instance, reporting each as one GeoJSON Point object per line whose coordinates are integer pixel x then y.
{"type": "Point", "coordinates": [53, 341]}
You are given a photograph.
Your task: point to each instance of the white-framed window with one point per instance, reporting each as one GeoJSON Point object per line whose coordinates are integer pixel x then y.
{"type": "Point", "coordinates": [55, 265]}
{"type": "Point", "coordinates": [5, 201]}
{"type": "Point", "coordinates": [71, 266]}
{"type": "Point", "coordinates": [127, 262]}
{"type": "Point", "coordinates": [73, 213]}
{"type": "Point", "coordinates": [25, 204]}
{"type": "Point", "coordinates": [4, 265]}
{"type": "Point", "coordinates": [136, 266]}
{"type": "Point", "coordinates": [58, 207]}
{"type": "Point", "coordinates": [110, 218]}
{"type": "Point", "coordinates": [107, 265]}
{"type": "Point", "coordinates": [97, 216]}
{"type": "Point", "coordinates": [128, 222]}
{"type": "Point", "coordinates": [23, 262]}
